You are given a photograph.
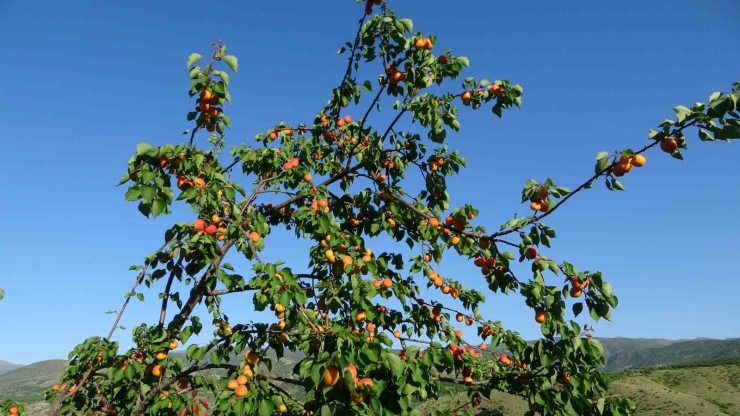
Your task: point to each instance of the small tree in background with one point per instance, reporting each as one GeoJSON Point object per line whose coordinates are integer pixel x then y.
{"type": "Point", "coordinates": [341, 181]}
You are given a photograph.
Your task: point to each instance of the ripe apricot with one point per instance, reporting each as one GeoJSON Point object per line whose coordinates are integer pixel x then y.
{"type": "Point", "coordinates": [496, 90]}
{"type": "Point", "coordinates": [465, 96]}
{"type": "Point", "coordinates": [211, 229]}
{"type": "Point", "coordinates": [459, 317]}
{"type": "Point", "coordinates": [200, 225]}
{"type": "Point", "coordinates": [252, 358]}
{"type": "Point", "coordinates": [638, 161]}
{"type": "Point", "coordinates": [669, 145]}
{"type": "Point", "coordinates": [157, 370]}
{"type": "Point", "coordinates": [531, 253]}
{"type": "Point", "coordinates": [484, 243]}
{"type": "Point", "coordinates": [575, 292]}
{"type": "Point", "coordinates": [360, 316]}
{"type": "Point", "coordinates": [535, 206]}
{"type": "Point", "coordinates": [387, 283]}
{"type": "Point", "coordinates": [443, 59]}
{"type": "Point", "coordinates": [397, 333]}
{"type": "Point", "coordinates": [454, 240]}
{"type": "Point", "coordinates": [352, 371]}
{"type": "Point", "coordinates": [419, 44]}
{"type": "Point", "coordinates": [433, 222]}
{"type": "Point", "coordinates": [161, 355]}
{"type": "Point", "coordinates": [173, 344]}
{"type": "Point", "coordinates": [241, 391]}
{"type": "Point", "coordinates": [254, 237]}
{"type": "Point", "coordinates": [540, 316]}
{"type": "Point", "coordinates": [199, 183]}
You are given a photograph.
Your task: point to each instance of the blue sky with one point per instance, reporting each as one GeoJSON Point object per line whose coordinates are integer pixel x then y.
{"type": "Point", "coordinates": [92, 80]}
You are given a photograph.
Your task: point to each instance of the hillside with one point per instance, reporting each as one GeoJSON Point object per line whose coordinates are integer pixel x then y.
{"type": "Point", "coordinates": [6, 366]}
{"type": "Point", "coordinates": [27, 383]}
{"type": "Point", "coordinates": [704, 388]}
{"type": "Point", "coordinates": [623, 353]}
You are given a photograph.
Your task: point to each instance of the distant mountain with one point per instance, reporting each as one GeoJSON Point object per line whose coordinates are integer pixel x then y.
{"type": "Point", "coordinates": [27, 383]}
{"type": "Point", "coordinates": [626, 353]}
{"type": "Point", "coordinates": [6, 366]}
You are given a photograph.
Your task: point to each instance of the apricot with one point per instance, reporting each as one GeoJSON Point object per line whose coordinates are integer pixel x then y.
{"type": "Point", "coordinates": [531, 253]}
{"type": "Point", "coordinates": [540, 316]}
{"type": "Point", "coordinates": [360, 316]}
{"type": "Point", "coordinates": [465, 96]}
{"type": "Point", "coordinates": [331, 376]}
{"type": "Point", "coordinates": [173, 344]}
{"type": "Point", "coordinates": [459, 317]}
{"type": "Point", "coordinates": [199, 183]}
{"type": "Point", "coordinates": [669, 145]}
{"type": "Point", "coordinates": [211, 229]}
{"type": "Point", "coordinates": [484, 243]}
{"type": "Point", "coordinates": [241, 391]}
{"type": "Point", "coordinates": [433, 222]}
{"type": "Point", "coordinates": [575, 292]}
{"type": "Point", "coordinates": [254, 237]}
{"type": "Point", "coordinates": [638, 161]}
{"type": "Point", "coordinates": [161, 355]}
{"type": "Point", "coordinates": [419, 44]}
{"type": "Point", "coordinates": [157, 370]}
{"type": "Point", "coordinates": [252, 358]}
{"type": "Point", "coordinates": [397, 334]}
{"type": "Point", "coordinates": [443, 59]}
{"type": "Point", "coordinates": [200, 225]}
{"type": "Point", "coordinates": [387, 283]}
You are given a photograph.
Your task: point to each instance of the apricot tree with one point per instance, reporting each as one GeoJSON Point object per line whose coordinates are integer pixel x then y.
{"type": "Point", "coordinates": [341, 183]}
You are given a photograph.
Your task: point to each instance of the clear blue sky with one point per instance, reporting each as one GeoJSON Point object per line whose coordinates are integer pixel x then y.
{"type": "Point", "coordinates": [90, 80]}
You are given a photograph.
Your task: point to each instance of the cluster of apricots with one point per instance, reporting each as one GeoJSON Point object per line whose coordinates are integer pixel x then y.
{"type": "Point", "coordinates": [224, 328]}
{"type": "Point", "coordinates": [577, 286]}
{"type": "Point", "coordinates": [435, 163]}
{"type": "Point", "coordinates": [438, 282]}
{"type": "Point", "coordinates": [215, 227]}
{"type": "Point", "coordinates": [208, 109]}
{"type": "Point", "coordinates": [486, 265]}
{"type": "Point", "coordinates": [332, 376]}
{"type": "Point", "coordinates": [292, 163]}
{"type": "Point", "coordinates": [320, 205]}
{"type": "Point", "coordinates": [468, 319]}
{"type": "Point", "coordinates": [184, 183]}
{"type": "Point", "coordinates": [625, 163]}
{"type": "Point", "coordinates": [543, 201]}
{"type": "Point", "coordinates": [274, 134]}
{"type": "Point", "coordinates": [239, 385]}
{"type": "Point", "coordinates": [495, 89]}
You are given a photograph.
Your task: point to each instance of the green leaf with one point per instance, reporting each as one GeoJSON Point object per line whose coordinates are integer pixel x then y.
{"type": "Point", "coordinates": [606, 289]}
{"type": "Point", "coordinates": [158, 206]}
{"type": "Point", "coordinates": [602, 155]}
{"type": "Point", "coordinates": [408, 25]}
{"type": "Point", "coordinates": [367, 85]}
{"type": "Point", "coordinates": [577, 309]}
{"type": "Point", "coordinates": [232, 62]}
{"type": "Point", "coordinates": [193, 58]}
{"type": "Point", "coordinates": [2, 294]}
{"type": "Point", "coordinates": [142, 148]}
{"type": "Point", "coordinates": [601, 164]}
{"type": "Point", "coordinates": [617, 185]}
{"type": "Point", "coordinates": [395, 364]}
